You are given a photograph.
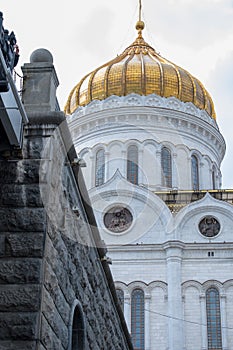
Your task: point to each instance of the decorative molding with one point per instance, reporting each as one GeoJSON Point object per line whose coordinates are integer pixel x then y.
{"type": "Point", "coordinates": [147, 288]}
{"type": "Point", "coordinates": [228, 284]}
{"type": "Point", "coordinates": [190, 283]}
{"type": "Point", "coordinates": [158, 284]}
{"type": "Point", "coordinates": [138, 285]}
{"type": "Point", "coordinates": [123, 287]}
{"type": "Point", "coordinates": [214, 283]}
{"type": "Point", "coordinates": [183, 119]}
{"type": "Point", "coordinates": [152, 100]}
{"type": "Point", "coordinates": [207, 204]}
{"type": "Point", "coordinates": [203, 287]}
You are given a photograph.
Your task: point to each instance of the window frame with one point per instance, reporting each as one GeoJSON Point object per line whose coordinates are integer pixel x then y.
{"type": "Point", "coordinates": [132, 164]}
{"type": "Point", "coordinates": [166, 166]}
{"type": "Point", "coordinates": [195, 173]}
{"type": "Point", "coordinates": [213, 175]}
{"type": "Point", "coordinates": [100, 167]}
{"type": "Point", "coordinates": [138, 318]}
{"type": "Point", "coordinates": [213, 318]}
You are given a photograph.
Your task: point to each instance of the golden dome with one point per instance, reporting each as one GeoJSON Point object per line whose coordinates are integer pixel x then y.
{"type": "Point", "coordinates": [141, 70]}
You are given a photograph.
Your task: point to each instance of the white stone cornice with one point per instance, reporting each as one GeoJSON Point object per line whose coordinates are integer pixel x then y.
{"type": "Point", "coordinates": [174, 245]}
{"type": "Point", "coordinates": [165, 115]}
{"type": "Point", "coordinates": [152, 100]}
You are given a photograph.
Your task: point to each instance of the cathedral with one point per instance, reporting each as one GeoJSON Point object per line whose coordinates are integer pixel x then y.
{"type": "Point", "coordinates": [151, 149]}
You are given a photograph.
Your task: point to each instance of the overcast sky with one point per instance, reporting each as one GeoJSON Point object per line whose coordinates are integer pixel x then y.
{"type": "Point", "coordinates": [82, 35]}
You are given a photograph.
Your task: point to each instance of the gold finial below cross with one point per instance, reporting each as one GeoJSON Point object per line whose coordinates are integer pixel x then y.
{"type": "Point", "coordinates": [140, 24]}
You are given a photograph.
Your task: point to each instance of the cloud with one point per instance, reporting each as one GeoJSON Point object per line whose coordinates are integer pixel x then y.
{"type": "Point", "coordinates": [221, 84]}
{"type": "Point", "coordinates": [184, 22]}
{"type": "Point", "coordinates": [94, 35]}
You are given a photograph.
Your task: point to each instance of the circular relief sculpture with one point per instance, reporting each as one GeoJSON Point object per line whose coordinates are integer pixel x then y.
{"type": "Point", "coordinates": [209, 226]}
{"type": "Point", "coordinates": [118, 219]}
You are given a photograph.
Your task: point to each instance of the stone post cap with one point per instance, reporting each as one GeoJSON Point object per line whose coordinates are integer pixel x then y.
{"type": "Point", "coordinates": [40, 83]}
{"type": "Point", "coordinates": [41, 56]}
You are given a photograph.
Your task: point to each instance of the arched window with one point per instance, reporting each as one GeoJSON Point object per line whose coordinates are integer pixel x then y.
{"type": "Point", "coordinates": [214, 178]}
{"type": "Point", "coordinates": [132, 164]}
{"type": "Point", "coordinates": [213, 319]}
{"type": "Point", "coordinates": [137, 319]}
{"type": "Point", "coordinates": [195, 173]}
{"type": "Point", "coordinates": [77, 330]}
{"type": "Point", "coordinates": [166, 167]}
{"type": "Point", "coordinates": [99, 167]}
{"type": "Point", "coordinates": [120, 295]}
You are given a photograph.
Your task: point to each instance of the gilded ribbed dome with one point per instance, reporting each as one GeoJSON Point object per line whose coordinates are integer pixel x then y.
{"type": "Point", "coordinates": [139, 69]}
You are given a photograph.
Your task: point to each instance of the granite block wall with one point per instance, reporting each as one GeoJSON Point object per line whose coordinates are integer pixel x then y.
{"type": "Point", "coordinates": [52, 258]}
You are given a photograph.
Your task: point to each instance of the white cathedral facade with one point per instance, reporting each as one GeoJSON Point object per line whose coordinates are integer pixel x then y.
{"type": "Point", "coordinates": [147, 132]}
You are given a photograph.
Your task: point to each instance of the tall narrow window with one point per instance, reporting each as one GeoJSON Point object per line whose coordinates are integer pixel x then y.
{"type": "Point", "coordinates": [137, 319]}
{"type": "Point", "coordinates": [195, 175]}
{"type": "Point", "coordinates": [132, 164]}
{"type": "Point", "coordinates": [166, 167]}
{"type": "Point", "coordinates": [77, 330]}
{"type": "Point", "coordinates": [120, 295]}
{"type": "Point", "coordinates": [99, 167]}
{"type": "Point", "coordinates": [213, 319]}
{"type": "Point", "coordinates": [214, 177]}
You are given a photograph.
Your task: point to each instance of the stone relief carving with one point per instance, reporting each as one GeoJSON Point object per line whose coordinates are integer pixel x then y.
{"type": "Point", "coordinates": [209, 226]}
{"type": "Point", "coordinates": [118, 219]}
{"type": "Point", "coordinates": [152, 100]}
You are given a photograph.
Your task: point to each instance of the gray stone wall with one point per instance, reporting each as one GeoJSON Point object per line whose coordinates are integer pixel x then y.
{"type": "Point", "coordinates": [73, 267]}
{"type": "Point", "coordinates": [22, 237]}
{"type": "Point", "coordinates": [51, 254]}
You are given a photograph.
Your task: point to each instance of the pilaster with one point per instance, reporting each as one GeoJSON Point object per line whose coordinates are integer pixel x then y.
{"type": "Point", "coordinates": [203, 322]}
{"type": "Point", "coordinates": [175, 312]}
{"type": "Point", "coordinates": [147, 322]}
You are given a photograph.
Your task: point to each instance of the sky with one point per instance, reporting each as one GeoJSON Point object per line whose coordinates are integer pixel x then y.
{"type": "Point", "coordinates": [82, 35]}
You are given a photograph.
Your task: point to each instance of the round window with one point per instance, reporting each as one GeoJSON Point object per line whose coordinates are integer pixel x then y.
{"type": "Point", "coordinates": [209, 226]}
{"type": "Point", "coordinates": [118, 219]}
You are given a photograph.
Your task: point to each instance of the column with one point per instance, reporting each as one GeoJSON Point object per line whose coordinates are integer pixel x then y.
{"type": "Point", "coordinates": [175, 324]}
{"type": "Point", "coordinates": [106, 164]}
{"type": "Point", "coordinates": [175, 180]}
{"type": "Point", "coordinates": [223, 321]}
{"type": "Point", "coordinates": [147, 322]}
{"type": "Point", "coordinates": [218, 179]}
{"type": "Point", "coordinates": [189, 174]}
{"type": "Point", "coordinates": [158, 180]}
{"type": "Point", "coordinates": [202, 175]}
{"type": "Point", "coordinates": [183, 316]}
{"type": "Point", "coordinates": [203, 322]}
{"type": "Point", "coordinates": [92, 170]}
{"type": "Point", "coordinates": [127, 311]}
{"type": "Point", "coordinates": [141, 174]}
{"type": "Point", "coordinates": [124, 163]}
{"type": "Point", "coordinates": [210, 184]}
